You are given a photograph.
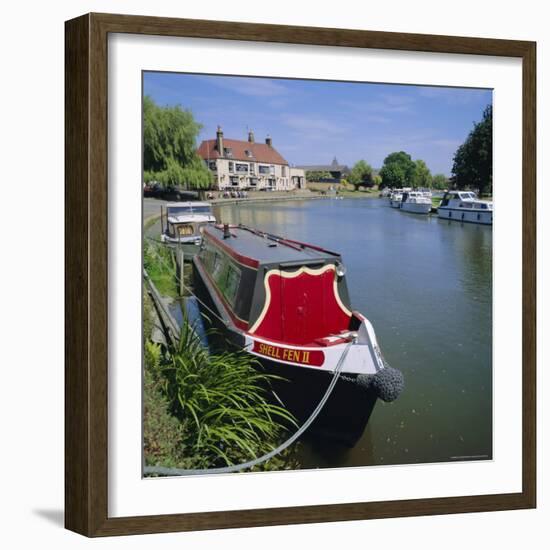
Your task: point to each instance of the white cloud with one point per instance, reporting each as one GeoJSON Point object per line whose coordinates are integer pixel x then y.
{"type": "Point", "coordinates": [313, 127]}
{"type": "Point", "coordinates": [255, 87]}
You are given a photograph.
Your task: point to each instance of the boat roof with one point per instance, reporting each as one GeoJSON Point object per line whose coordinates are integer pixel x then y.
{"type": "Point", "coordinates": [266, 248]}
{"type": "Point", "coordinates": [186, 204]}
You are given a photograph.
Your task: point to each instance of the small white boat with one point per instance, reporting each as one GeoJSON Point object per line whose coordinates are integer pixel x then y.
{"type": "Point", "coordinates": [417, 202]}
{"type": "Point", "coordinates": [464, 206]}
{"type": "Point", "coordinates": [395, 198]}
{"type": "Point", "coordinates": [183, 222]}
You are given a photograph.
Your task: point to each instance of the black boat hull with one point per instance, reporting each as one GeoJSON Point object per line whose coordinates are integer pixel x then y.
{"type": "Point", "coordinates": [346, 413]}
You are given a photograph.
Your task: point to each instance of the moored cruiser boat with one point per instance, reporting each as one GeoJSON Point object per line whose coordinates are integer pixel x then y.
{"type": "Point", "coordinates": [416, 202]}
{"type": "Point", "coordinates": [464, 206]}
{"type": "Point", "coordinates": [287, 303]}
{"type": "Point", "coordinates": [395, 198]}
{"type": "Point", "coordinates": [183, 222]}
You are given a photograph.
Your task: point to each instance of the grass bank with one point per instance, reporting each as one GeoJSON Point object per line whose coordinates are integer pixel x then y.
{"type": "Point", "coordinates": [205, 409]}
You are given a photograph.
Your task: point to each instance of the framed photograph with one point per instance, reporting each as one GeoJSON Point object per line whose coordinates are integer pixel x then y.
{"type": "Point", "coordinates": [300, 275]}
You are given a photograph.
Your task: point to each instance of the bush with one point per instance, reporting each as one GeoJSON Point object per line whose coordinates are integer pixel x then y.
{"type": "Point", "coordinates": [205, 410]}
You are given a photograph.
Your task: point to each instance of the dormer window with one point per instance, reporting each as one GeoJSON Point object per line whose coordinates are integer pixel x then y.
{"type": "Point", "coordinates": [248, 153]}
{"type": "Point", "coordinates": [227, 151]}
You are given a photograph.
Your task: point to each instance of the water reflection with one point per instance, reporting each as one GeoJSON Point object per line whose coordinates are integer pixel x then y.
{"type": "Point", "coordinates": [426, 285]}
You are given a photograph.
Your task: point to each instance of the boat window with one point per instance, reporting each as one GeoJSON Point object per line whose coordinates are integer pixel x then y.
{"type": "Point", "coordinates": [483, 206]}
{"type": "Point", "coordinates": [232, 280]}
{"type": "Point", "coordinates": [179, 210]}
{"type": "Point", "coordinates": [185, 230]}
{"type": "Point", "coordinates": [182, 210]}
{"type": "Point", "coordinates": [217, 266]}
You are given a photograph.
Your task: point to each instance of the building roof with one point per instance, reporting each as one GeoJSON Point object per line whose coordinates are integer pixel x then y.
{"type": "Point", "coordinates": [260, 152]}
{"type": "Point", "coordinates": [334, 166]}
{"type": "Point", "coordinates": [325, 168]}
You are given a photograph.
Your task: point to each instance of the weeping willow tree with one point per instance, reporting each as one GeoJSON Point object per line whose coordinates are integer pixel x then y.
{"type": "Point", "coordinates": [169, 147]}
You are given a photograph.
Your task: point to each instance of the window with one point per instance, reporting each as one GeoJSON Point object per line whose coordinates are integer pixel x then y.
{"type": "Point", "coordinates": [252, 168]}
{"type": "Point", "coordinates": [272, 169]}
{"type": "Point", "coordinates": [212, 165]}
{"type": "Point", "coordinates": [228, 151]}
{"type": "Point", "coordinates": [262, 169]}
{"type": "Point", "coordinates": [248, 153]}
{"type": "Point", "coordinates": [217, 267]}
{"type": "Point", "coordinates": [232, 280]}
{"type": "Point", "coordinates": [231, 164]}
{"type": "Point", "coordinates": [241, 167]}
{"type": "Point", "coordinates": [283, 171]}
{"type": "Point", "coordinates": [185, 230]}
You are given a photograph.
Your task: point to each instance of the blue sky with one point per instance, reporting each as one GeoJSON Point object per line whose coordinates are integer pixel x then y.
{"type": "Point", "coordinates": [311, 122]}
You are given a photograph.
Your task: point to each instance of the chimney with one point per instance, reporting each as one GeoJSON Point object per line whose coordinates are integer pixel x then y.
{"type": "Point", "coordinates": [268, 141]}
{"type": "Point", "coordinates": [219, 141]}
{"type": "Point", "coordinates": [250, 136]}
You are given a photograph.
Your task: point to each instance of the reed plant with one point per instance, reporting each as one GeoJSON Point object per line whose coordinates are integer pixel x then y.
{"type": "Point", "coordinates": [223, 403]}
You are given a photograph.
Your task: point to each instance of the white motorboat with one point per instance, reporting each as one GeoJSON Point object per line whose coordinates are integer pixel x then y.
{"type": "Point", "coordinates": [395, 198]}
{"type": "Point", "coordinates": [183, 222]}
{"type": "Point", "coordinates": [464, 206]}
{"type": "Point", "coordinates": [417, 202]}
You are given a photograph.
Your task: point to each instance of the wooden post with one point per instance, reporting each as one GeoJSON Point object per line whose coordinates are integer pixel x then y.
{"type": "Point", "coordinates": [182, 288]}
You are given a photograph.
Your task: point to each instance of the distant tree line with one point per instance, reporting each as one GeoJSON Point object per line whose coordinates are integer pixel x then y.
{"type": "Point", "coordinates": [400, 170]}
{"type": "Point", "coordinates": [318, 175]}
{"type": "Point", "coordinates": [472, 165]}
{"type": "Point", "coordinates": [169, 147]}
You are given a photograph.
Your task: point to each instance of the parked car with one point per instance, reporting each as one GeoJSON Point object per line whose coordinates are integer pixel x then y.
{"type": "Point", "coordinates": [152, 189]}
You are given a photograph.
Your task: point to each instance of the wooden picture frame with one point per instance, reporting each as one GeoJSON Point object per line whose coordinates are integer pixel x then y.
{"type": "Point", "coordinates": [86, 282]}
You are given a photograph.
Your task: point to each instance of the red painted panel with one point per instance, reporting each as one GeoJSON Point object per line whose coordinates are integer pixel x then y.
{"type": "Point", "coordinates": [302, 309]}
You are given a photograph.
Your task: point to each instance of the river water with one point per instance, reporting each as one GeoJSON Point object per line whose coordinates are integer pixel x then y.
{"type": "Point", "coordinates": [426, 286]}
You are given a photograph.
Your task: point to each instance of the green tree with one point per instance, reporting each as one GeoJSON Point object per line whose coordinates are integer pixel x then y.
{"type": "Point", "coordinates": [317, 175]}
{"type": "Point", "coordinates": [473, 160]}
{"type": "Point", "coordinates": [361, 174]}
{"type": "Point", "coordinates": [398, 170]}
{"type": "Point", "coordinates": [439, 181]}
{"type": "Point", "coordinates": [422, 176]}
{"type": "Point", "coordinates": [169, 147]}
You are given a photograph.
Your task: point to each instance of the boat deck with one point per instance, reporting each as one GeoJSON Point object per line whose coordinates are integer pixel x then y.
{"type": "Point", "coordinates": [267, 248]}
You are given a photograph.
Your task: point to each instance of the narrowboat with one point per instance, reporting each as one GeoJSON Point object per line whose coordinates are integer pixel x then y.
{"type": "Point", "coordinates": [287, 303]}
{"type": "Point", "coordinates": [464, 206]}
{"type": "Point", "coordinates": [182, 223]}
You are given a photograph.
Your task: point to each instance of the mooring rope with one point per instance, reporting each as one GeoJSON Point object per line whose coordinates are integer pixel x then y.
{"type": "Point", "coordinates": [251, 463]}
